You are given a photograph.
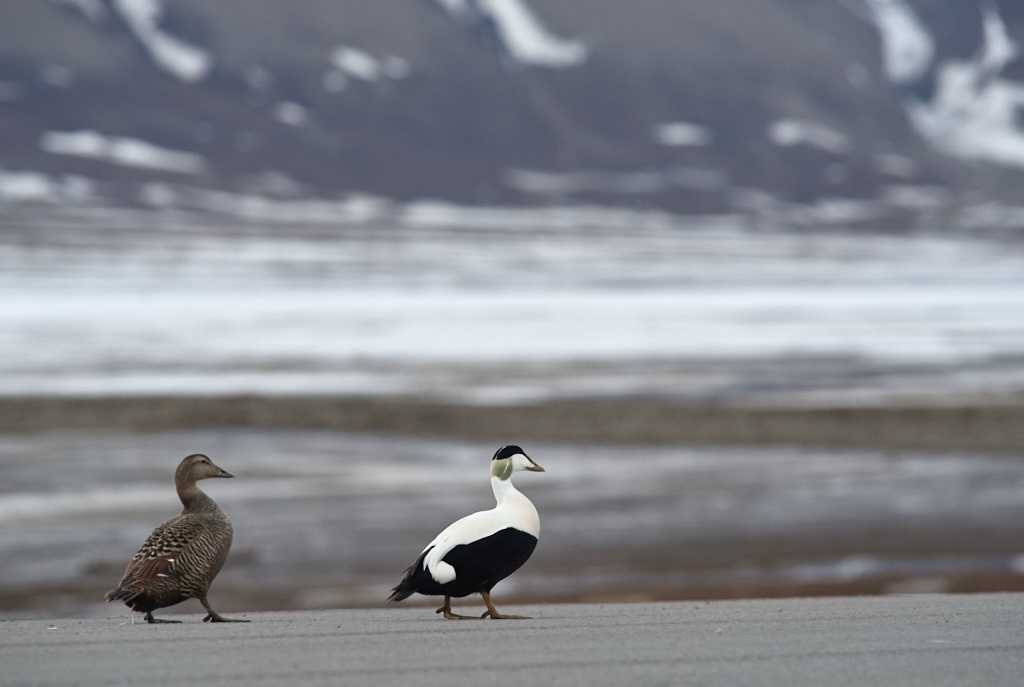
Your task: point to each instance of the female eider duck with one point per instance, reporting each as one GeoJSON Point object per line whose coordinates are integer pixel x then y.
{"type": "Point", "coordinates": [182, 556]}
{"type": "Point", "coordinates": [476, 552]}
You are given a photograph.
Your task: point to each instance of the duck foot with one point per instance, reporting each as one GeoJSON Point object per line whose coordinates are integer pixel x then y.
{"type": "Point", "coordinates": [215, 617]}
{"type": "Point", "coordinates": [446, 609]}
{"type": "Point", "coordinates": [493, 613]}
{"type": "Point", "coordinates": [157, 621]}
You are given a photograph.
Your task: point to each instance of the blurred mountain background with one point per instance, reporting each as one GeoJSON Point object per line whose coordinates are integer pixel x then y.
{"type": "Point", "coordinates": [689, 107]}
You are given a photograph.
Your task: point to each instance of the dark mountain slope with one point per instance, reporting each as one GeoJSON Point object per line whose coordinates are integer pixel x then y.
{"type": "Point", "coordinates": [420, 98]}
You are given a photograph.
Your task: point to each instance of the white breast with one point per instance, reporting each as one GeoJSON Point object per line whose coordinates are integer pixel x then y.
{"type": "Point", "coordinates": [513, 510]}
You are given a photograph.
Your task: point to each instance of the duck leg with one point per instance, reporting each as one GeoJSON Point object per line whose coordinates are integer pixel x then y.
{"type": "Point", "coordinates": [447, 610]}
{"type": "Point", "coordinates": [493, 612]}
{"type": "Point", "coordinates": [215, 617]}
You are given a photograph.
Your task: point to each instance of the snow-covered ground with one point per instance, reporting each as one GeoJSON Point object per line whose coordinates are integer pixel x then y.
{"type": "Point", "coordinates": [502, 304]}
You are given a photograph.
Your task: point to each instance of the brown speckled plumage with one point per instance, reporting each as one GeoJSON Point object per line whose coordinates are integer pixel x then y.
{"type": "Point", "coordinates": [179, 560]}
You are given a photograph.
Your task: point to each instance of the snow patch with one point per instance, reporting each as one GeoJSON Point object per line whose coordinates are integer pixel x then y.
{"type": "Point", "coordinates": [677, 134]}
{"type": "Point", "coordinates": [34, 187]}
{"type": "Point", "coordinates": [25, 186]}
{"type": "Point", "coordinates": [291, 113]}
{"type": "Point", "coordinates": [358, 64]}
{"type": "Point", "coordinates": [907, 47]}
{"type": "Point", "coordinates": [795, 132]}
{"type": "Point", "coordinates": [636, 182]}
{"type": "Point", "coordinates": [186, 62]}
{"type": "Point", "coordinates": [998, 49]}
{"type": "Point", "coordinates": [521, 33]}
{"type": "Point", "coordinates": [255, 207]}
{"type": "Point", "coordinates": [128, 152]}
{"type": "Point", "coordinates": [974, 113]}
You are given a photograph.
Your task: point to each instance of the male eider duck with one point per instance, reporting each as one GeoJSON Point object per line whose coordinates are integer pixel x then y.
{"type": "Point", "coordinates": [182, 556]}
{"type": "Point", "coordinates": [476, 552]}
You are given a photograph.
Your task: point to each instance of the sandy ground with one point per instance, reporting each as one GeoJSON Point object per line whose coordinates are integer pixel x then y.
{"type": "Point", "coordinates": [935, 640]}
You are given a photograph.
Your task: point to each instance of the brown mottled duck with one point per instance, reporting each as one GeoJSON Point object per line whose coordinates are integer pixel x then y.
{"type": "Point", "coordinates": [182, 556]}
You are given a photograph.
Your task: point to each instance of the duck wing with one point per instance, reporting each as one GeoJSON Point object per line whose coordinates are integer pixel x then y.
{"type": "Point", "coordinates": [181, 556]}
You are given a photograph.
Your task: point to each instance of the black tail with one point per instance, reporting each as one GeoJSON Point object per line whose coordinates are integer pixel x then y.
{"type": "Point", "coordinates": [401, 591]}
{"type": "Point", "coordinates": [411, 582]}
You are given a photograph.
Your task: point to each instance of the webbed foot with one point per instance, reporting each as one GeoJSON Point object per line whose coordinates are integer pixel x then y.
{"type": "Point", "coordinates": [446, 609]}
{"type": "Point", "coordinates": [214, 616]}
{"type": "Point", "coordinates": [493, 613]}
{"type": "Point", "coordinates": [155, 621]}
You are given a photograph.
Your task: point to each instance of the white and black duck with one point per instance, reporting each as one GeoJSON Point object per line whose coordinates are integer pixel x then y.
{"type": "Point", "coordinates": [476, 552]}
